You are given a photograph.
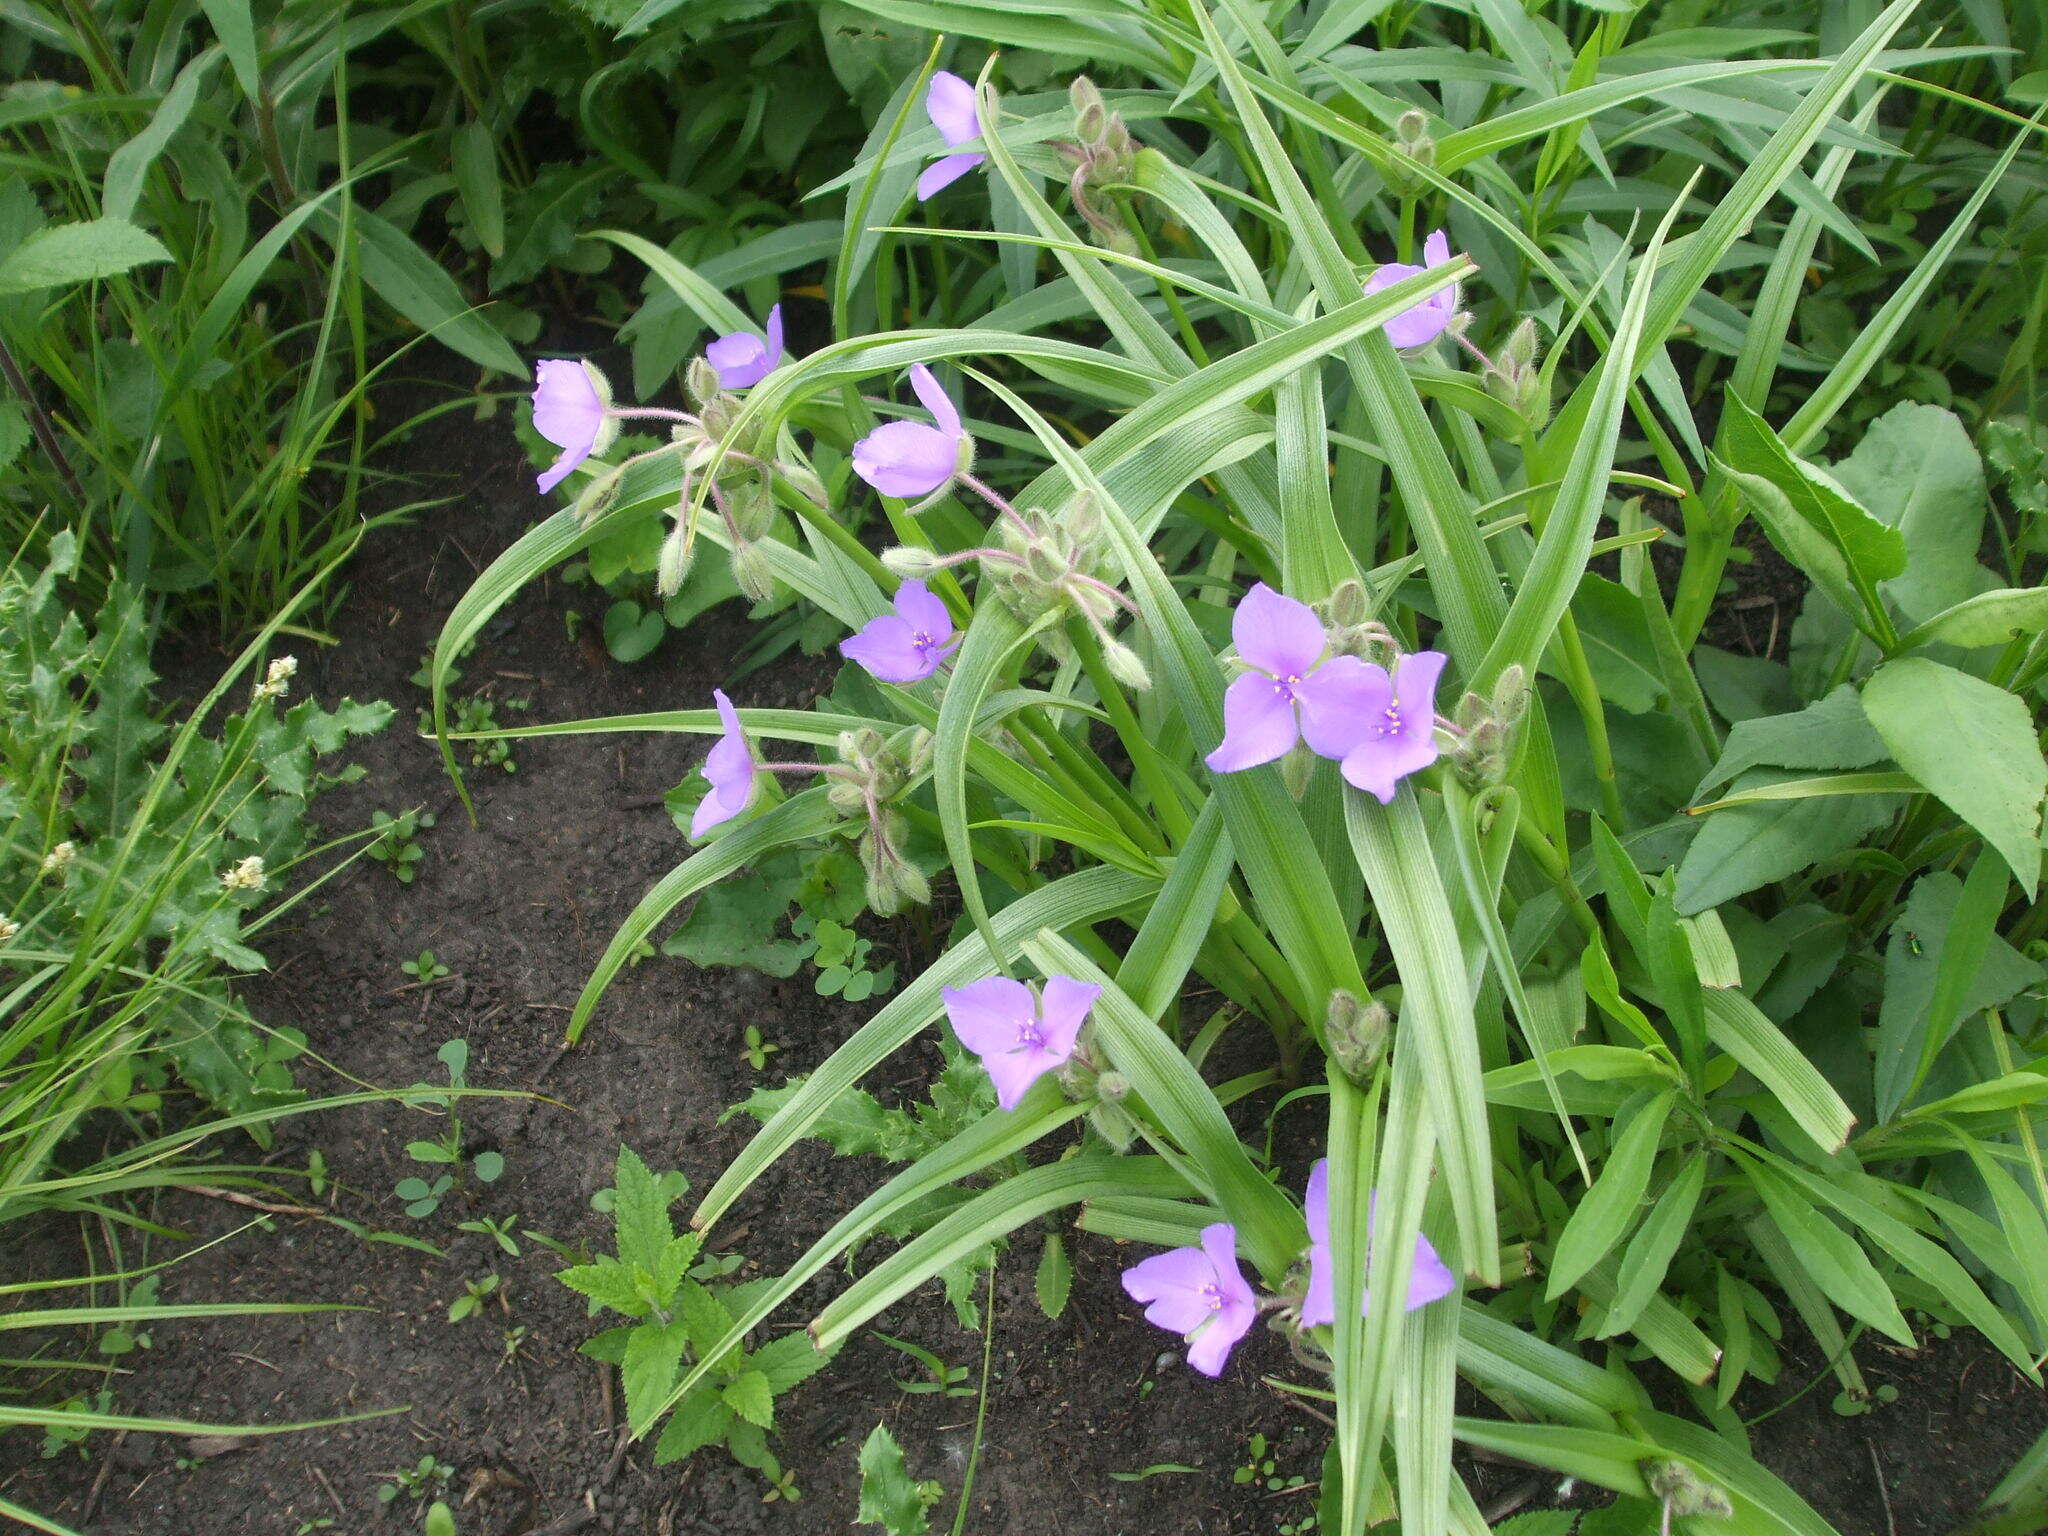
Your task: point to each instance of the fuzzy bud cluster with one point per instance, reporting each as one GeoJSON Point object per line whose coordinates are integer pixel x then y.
{"type": "Point", "coordinates": [1516, 377]}
{"type": "Point", "coordinates": [59, 858]}
{"type": "Point", "coordinates": [1347, 617]}
{"type": "Point", "coordinates": [1050, 567]}
{"type": "Point", "coordinates": [1414, 150]}
{"type": "Point", "coordinates": [1103, 154]}
{"type": "Point", "coordinates": [874, 773]}
{"type": "Point", "coordinates": [1356, 1035]}
{"type": "Point", "coordinates": [1483, 729]}
{"type": "Point", "coordinates": [1685, 1492]}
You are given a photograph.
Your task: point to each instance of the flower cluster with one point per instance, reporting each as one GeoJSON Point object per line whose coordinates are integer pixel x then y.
{"type": "Point", "coordinates": [246, 875]}
{"type": "Point", "coordinates": [1379, 726]}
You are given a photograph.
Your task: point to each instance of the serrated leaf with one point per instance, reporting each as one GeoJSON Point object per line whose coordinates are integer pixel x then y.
{"type": "Point", "coordinates": [707, 1319]}
{"type": "Point", "coordinates": [653, 1356]}
{"type": "Point", "coordinates": [546, 217]}
{"type": "Point", "coordinates": [1055, 1278]}
{"type": "Point", "coordinates": [1972, 745]}
{"type": "Point", "coordinates": [641, 1210]}
{"type": "Point", "coordinates": [700, 1419]}
{"type": "Point", "coordinates": [889, 1496]}
{"type": "Point", "coordinates": [751, 1397]}
{"type": "Point", "coordinates": [788, 1360]}
{"type": "Point", "coordinates": [742, 924]}
{"type": "Point", "coordinates": [855, 1124]}
{"type": "Point", "coordinates": [78, 253]}
{"type": "Point", "coordinates": [609, 1282]}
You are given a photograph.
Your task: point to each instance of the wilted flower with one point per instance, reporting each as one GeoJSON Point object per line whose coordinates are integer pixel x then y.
{"type": "Point", "coordinates": [908, 458]}
{"type": "Point", "coordinates": [8, 929]}
{"type": "Point", "coordinates": [59, 858]}
{"type": "Point", "coordinates": [571, 409]}
{"type": "Point", "coordinates": [1198, 1293]}
{"type": "Point", "coordinates": [246, 876]}
{"type": "Point", "coordinates": [277, 680]}
{"type": "Point", "coordinates": [1019, 1036]}
{"type": "Point", "coordinates": [949, 103]}
{"type": "Point", "coordinates": [1294, 693]}
{"type": "Point", "coordinates": [1429, 1280]}
{"type": "Point", "coordinates": [728, 769]}
{"type": "Point", "coordinates": [909, 645]}
{"type": "Point", "coordinates": [743, 357]}
{"type": "Point", "coordinates": [1394, 732]}
{"type": "Point", "coordinates": [1426, 319]}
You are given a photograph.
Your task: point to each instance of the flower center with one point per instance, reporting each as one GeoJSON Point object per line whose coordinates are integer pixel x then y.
{"type": "Point", "coordinates": [922, 641]}
{"type": "Point", "coordinates": [1390, 722]}
{"type": "Point", "coordinates": [1028, 1036]}
{"type": "Point", "coordinates": [1285, 686]}
{"type": "Point", "coordinates": [1212, 1294]}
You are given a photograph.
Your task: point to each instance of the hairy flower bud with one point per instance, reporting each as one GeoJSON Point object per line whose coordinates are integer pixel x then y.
{"type": "Point", "coordinates": [1043, 563]}
{"type": "Point", "coordinates": [1356, 1035]}
{"type": "Point", "coordinates": [1517, 380]}
{"type": "Point", "coordinates": [1511, 694]}
{"type": "Point", "coordinates": [1112, 1087]}
{"type": "Point", "coordinates": [700, 382]}
{"type": "Point", "coordinates": [917, 757]}
{"type": "Point", "coordinates": [1113, 1123]}
{"type": "Point", "coordinates": [1347, 604]}
{"type": "Point", "coordinates": [1686, 1492]}
{"type": "Point", "coordinates": [678, 554]}
{"type": "Point", "coordinates": [803, 479]}
{"type": "Point", "coordinates": [750, 569]}
{"type": "Point", "coordinates": [751, 507]}
{"type": "Point", "coordinates": [845, 796]}
{"type": "Point", "coordinates": [910, 562]}
{"type": "Point", "coordinates": [599, 496]}
{"type": "Point", "coordinates": [1124, 665]}
{"type": "Point", "coordinates": [1083, 521]}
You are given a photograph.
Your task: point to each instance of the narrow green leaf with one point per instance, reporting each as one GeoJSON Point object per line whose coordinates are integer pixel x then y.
{"type": "Point", "coordinates": [1611, 1206]}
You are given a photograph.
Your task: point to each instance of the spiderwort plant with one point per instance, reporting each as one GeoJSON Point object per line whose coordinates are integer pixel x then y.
{"type": "Point", "coordinates": [949, 103]}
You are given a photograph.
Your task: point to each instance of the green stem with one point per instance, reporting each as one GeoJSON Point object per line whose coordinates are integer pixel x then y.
{"type": "Point", "coordinates": [1145, 760]}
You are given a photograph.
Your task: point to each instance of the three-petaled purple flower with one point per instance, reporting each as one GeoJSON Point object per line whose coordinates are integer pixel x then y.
{"type": "Point", "coordinates": [1198, 1293]}
{"type": "Point", "coordinates": [906, 646]}
{"type": "Point", "coordinates": [1429, 1280]}
{"type": "Point", "coordinates": [572, 410]}
{"type": "Point", "coordinates": [1019, 1036]}
{"type": "Point", "coordinates": [745, 357]}
{"type": "Point", "coordinates": [1393, 732]}
{"type": "Point", "coordinates": [950, 105]}
{"type": "Point", "coordinates": [728, 769]}
{"type": "Point", "coordinates": [1294, 693]}
{"type": "Point", "coordinates": [1426, 319]}
{"type": "Point", "coordinates": [908, 458]}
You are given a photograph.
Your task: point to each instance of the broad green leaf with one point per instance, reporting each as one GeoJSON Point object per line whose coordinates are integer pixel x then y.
{"type": "Point", "coordinates": [1739, 1027]}
{"type": "Point", "coordinates": [1989, 618]}
{"type": "Point", "coordinates": [416, 286]}
{"type": "Point", "coordinates": [654, 1352]}
{"type": "Point", "coordinates": [1917, 470]}
{"type": "Point", "coordinates": [78, 253]}
{"type": "Point", "coordinates": [1746, 846]}
{"type": "Point", "coordinates": [1972, 745]}
{"type": "Point", "coordinates": [751, 1397]}
{"type": "Point", "coordinates": [1830, 733]}
{"type": "Point", "coordinates": [474, 160]}
{"type": "Point", "coordinates": [1610, 1207]}
{"type": "Point", "coordinates": [1055, 1277]}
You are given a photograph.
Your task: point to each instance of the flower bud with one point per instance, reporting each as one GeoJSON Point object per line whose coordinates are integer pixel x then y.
{"type": "Point", "coordinates": [1124, 665]}
{"type": "Point", "coordinates": [1412, 139]}
{"type": "Point", "coordinates": [678, 554]}
{"type": "Point", "coordinates": [1083, 520]}
{"type": "Point", "coordinates": [1112, 1087]}
{"type": "Point", "coordinates": [917, 759]}
{"type": "Point", "coordinates": [845, 795]}
{"type": "Point", "coordinates": [599, 496]}
{"type": "Point", "coordinates": [59, 858]}
{"type": "Point", "coordinates": [803, 479]}
{"type": "Point", "coordinates": [1347, 604]}
{"type": "Point", "coordinates": [750, 569]}
{"type": "Point", "coordinates": [1511, 694]}
{"type": "Point", "coordinates": [1355, 1035]}
{"type": "Point", "coordinates": [1044, 564]}
{"type": "Point", "coordinates": [910, 562]}
{"type": "Point", "coordinates": [1686, 1492]}
{"type": "Point", "coordinates": [700, 382]}
{"type": "Point", "coordinates": [246, 875]}
{"type": "Point", "coordinates": [1113, 1123]}
{"type": "Point", "coordinates": [1091, 114]}
{"type": "Point", "coordinates": [751, 507]}
{"type": "Point", "coordinates": [717, 414]}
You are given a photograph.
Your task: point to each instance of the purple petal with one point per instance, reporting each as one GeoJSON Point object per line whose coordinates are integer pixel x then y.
{"type": "Point", "coordinates": [728, 769]}
{"type": "Point", "coordinates": [1316, 1201]}
{"type": "Point", "coordinates": [1209, 1350]}
{"type": "Point", "coordinates": [1062, 1012]}
{"type": "Point", "coordinates": [1013, 1073]}
{"type": "Point", "coordinates": [1423, 321]}
{"type": "Point", "coordinates": [1415, 680]}
{"type": "Point", "coordinates": [989, 1015]}
{"type": "Point", "coordinates": [923, 612]}
{"type": "Point", "coordinates": [1436, 249]}
{"type": "Point", "coordinates": [774, 335]}
{"type": "Point", "coordinates": [1319, 1305]}
{"type": "Point", "coordinates": [1171, 1285]}
{"type": "Point", "coordinates": [1378, 763]}
{"type": "Point", "coordinates": [941, 174]}
{"type": "Point", "coordinates": [1276, 634]}
{"type": "Point", "coordinates": [888, 648]}
{"type": "Point", "coordinates": [1431, 1279]}
{"type": "Point", "coordinates": [567, 409]}
{"type": "Point", "coordinates": [740, 359]}
{"type": "Point", "coordinates": [561, 469]}
{"type": "Point", "coordinates": [1337, 701]}
{"type": "Point", "coordinates": [949, 103]}
{"type": "Point", "coordinates": [1258, 725]}
{"type": "Point", "coordinates": [1219, 1241]}
{"type": "Point", "coordinates": [936, 400]}
{"type": "Point", "coordinates": [906, 459]}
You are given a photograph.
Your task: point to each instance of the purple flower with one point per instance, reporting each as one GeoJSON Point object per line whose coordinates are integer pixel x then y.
{"type": "Point", "coordinates": [1425, 320]}
{"type": "Point", "coordinates": [1198, 1293]}
{"type": "Point", "coordinates": [1429, 1280]}
{"type": "Point", "coordinates": [728, 769]}
{"type": "Point", "coordinates": [950, 105]}
{"type": "Point", "coordinates": [1393, 732]}
{"type": "Point", "coordinates": [905, 646]}
{"type": "Point", "coordinates": [1019, 1037]}
{"type": "Point", "coordinates": [572, 410]}
{"type": "Point", "coordinates": [1294, 693]}
{"type": "Point", "coordinates": [908, 458]}
{"type": "Point", "coordinates": [744, 358]}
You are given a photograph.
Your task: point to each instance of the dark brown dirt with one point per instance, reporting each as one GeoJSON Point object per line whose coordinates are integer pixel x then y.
{"type": "Point", "coordinates": [520, 906]}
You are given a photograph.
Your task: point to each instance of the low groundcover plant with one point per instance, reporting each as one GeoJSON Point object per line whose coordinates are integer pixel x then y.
{"type": "Point", "coordinates": [1543, 956]}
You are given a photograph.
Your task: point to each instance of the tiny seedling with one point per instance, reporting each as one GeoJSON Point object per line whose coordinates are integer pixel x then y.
{"type": "Point", "coordinates": [513, 1338]}
{"type": "Point", "coordinates": [1257, 1463]}
{"type": "Point", "coordinates": [317, 1523]}
{"type": "Point", "coordinates": [396, 843]}
{"type": "Point", "coordinates": [429, 1475]}
{"type": "Point", "coordinates": [940, 1377]}
{"type": "Point", "coordinates": [421, 1197]}
{"type": "Point", "coordinates": [480, 714]}
{"type": "Point", "coordinates": [427, 968]}
{"type": "Point", "coordinates": [476, 1296]}
{"type": "Point", "coordinates": [499, 1232]}
{"type": "Point", "coordinates": [757, 1050]}
{"type": "Point", "coordinates": [440, 1520]}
